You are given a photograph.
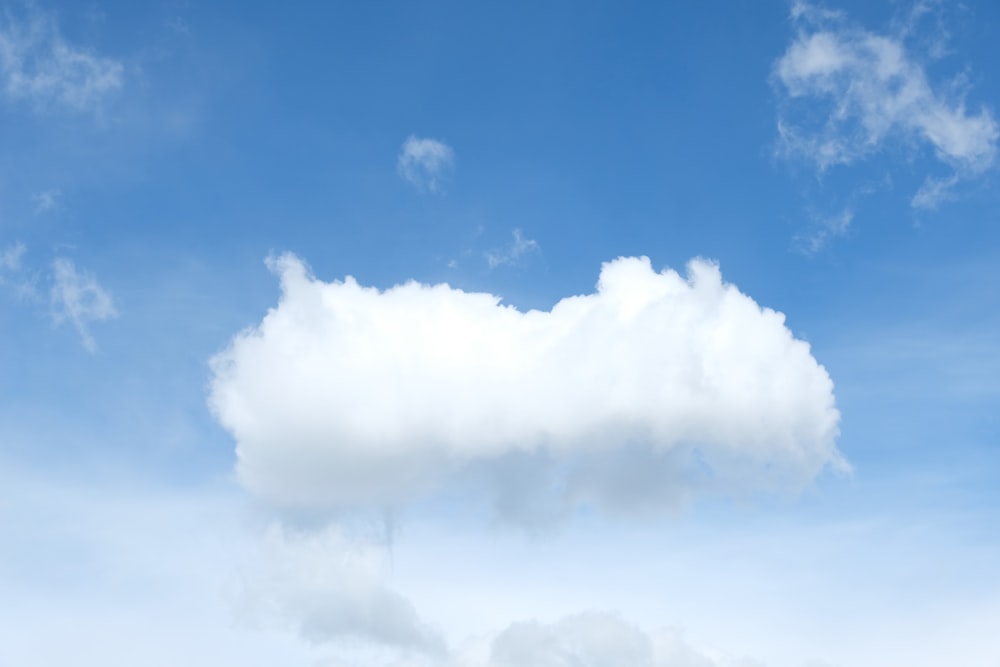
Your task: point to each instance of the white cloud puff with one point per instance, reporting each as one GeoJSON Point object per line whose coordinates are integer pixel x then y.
{"type": "Point", "coordinates": [38, 65]}
{"type": "Point", "coordinates": [848, 90]}
{"type": "Point", "coordinates": [425, 162]}
{"type": "Point", "coordinates": [347, 395]}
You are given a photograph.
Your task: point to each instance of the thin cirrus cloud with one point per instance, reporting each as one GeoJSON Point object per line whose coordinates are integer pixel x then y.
{"type": "Point", "coordinates": [38, 66]}
{"type": "Point", "coordinates": [425, 163]}
{"type": "Point", "coordinates": [847, 92]}
{"type": "Point", "coordinates": [78, 299]}
{"type": "Point", "coordinates": [654, 387]}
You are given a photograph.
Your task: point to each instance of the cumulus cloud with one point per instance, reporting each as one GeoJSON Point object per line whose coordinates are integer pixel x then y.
{"type": "Point", "coordinates": [331, 587]}
{"type": "Point", "coordinates": [425, 162]}
{"type": "Point", "coordinates": [513, 251]}
{"type": "Point", "coordinates": [848, 91]}
{"type": "Point", "coordinates": [651, 387]}
{"type": "Point", "coordinates": [39, 66]}
{"type": "Point", "coordinates": [77, 298]}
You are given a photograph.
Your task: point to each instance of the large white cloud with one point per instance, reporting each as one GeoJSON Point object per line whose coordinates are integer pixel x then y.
{"type": "Point", "coordinates": [635, 394]}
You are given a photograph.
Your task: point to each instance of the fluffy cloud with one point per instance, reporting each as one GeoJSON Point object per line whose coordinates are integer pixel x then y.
{"type": "Point", "coordinates": [654, 386]}
{"type": "Point", "coordinates": [847, 91]}
{"type": "Point", "coordinates": [37, 65]}
{"type": "Point", "coordinates": [425, 162]}
{"type": "Point", "coordinates": [77, 298]}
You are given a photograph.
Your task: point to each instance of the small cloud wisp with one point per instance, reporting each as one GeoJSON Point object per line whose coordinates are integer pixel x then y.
{"type": "Point", "coordinates": [77, 298]}
{"type": "Point", "coordinates": [424, 163]}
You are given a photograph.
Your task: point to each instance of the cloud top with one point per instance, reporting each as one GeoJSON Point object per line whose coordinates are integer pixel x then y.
{"type": "Point", "coordinates": [346, 394]}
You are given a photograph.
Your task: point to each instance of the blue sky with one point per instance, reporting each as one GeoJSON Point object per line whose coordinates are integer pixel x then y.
{"type": "Point", "coordinates": [217, 449]}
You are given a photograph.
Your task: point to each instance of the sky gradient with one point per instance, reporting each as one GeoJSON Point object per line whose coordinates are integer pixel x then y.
{"type": "Point", "coordinates": [515, 334]}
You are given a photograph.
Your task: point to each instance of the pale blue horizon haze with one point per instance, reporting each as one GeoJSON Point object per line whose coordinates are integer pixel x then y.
{"type": "Point", "coordinates": [500, 334]}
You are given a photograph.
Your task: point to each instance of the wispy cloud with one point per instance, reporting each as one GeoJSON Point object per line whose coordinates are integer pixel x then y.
{"type": "Point", "coordinates": [77, 298]}
{"type": "Point", "coordinates": [425, 163]}
{"type": "Point", "coordinates": [38, 66]}
{"type": "Point", "coordinates": [826, 228]}
{"type": "Point", "coordinates": [934, 192]}
{"type": "Point", "coordinates": [10, 258]}
{"type": "Point", "coordinates": [848, 92]}
{"type": "Point", "coordinates": [47, 200]}
{"type": "Point", "coordinates": [13, 274]}
{"type": "Point", "coordinates": [513, 251]}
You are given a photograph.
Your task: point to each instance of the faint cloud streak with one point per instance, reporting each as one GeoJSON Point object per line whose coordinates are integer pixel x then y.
{"type": "Point", "coordinates": [513, 251]}
{"type": "Point", "coordinates": [47, 200]}
{"type": "Point", "coordinates": [11, 256]}
{"type": "Point", "coordinates": [13, 274]}
{"type": "Point", "coordinates": [77, 298]}
{"type": "Point", "coordinates": [39, 66]}
{"type": "Point", "coordinates": [827, 228]}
